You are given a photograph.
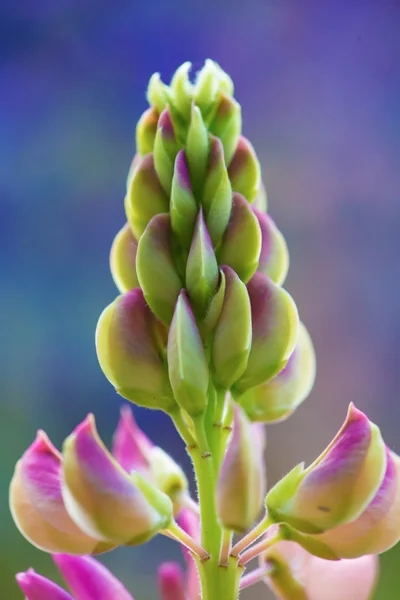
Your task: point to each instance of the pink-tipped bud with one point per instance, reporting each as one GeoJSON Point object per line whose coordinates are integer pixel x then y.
{"type": "Point", "coordinates": [293, 574]}
{"type": "Point", "coordinates": [36, 587]}
{"type": "Point", "coordinates": [123, 260]}
{"type": "Point", "coordinates": [145, 197]}
{"type": "Point", "coordinates": [339, 485]}
{"type": "Point", "coordinates": [274, 256]}
{"type": "Point", "coordinates": [146, 131]}
{"type": "Point", "coordinates": [88, 579]}
{"type": "Point", "coordinates": [244, 170]}
{"type": "Point", "coordinates": [242, 482]}
{"type": "Point", "coordinates": [156, 268]}
{"type": "Point", "coordinates": [37, 505]}
{"type": "Point", "coordinates": [171, 582]}
{"type": "Point", "coordinates": [102, 498]}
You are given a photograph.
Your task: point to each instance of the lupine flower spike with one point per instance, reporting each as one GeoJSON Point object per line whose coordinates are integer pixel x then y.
{"type": "Point", "coordinates": [203, 330]}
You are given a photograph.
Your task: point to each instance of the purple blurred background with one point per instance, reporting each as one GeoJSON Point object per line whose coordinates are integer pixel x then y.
{"type": "Point", "coordinates": [320, 88]}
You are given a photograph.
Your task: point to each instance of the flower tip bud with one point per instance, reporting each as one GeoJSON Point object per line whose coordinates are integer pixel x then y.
{"type": "Point", "coordinates": [146, 131]}
{"type": "Point", "coordinates": [274, 255]}
{"type": "Point", "coordinates": [244, 170]}
{"type": "Point", "coordinates": [157, 92]}
{"type": "Point", "coordinates": [171, 581]}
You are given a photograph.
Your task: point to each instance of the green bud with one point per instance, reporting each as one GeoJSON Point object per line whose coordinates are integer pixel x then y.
{"type": "Point", "coordinates": [217, 194]}
{"type": "Point", "coordinates": [202, 271]}
{"type": "Point", "coordinates": [157, 93]}
{"type": "Point", "coordinates": [145, 197]}
{"type": "Point", "coordinates": [227, 125]}
{"type": "Point", "coordinates": [274, 256]}
{"type": "Point", "coordinates": [123, 260]}
{"type": "Point", "coordinates": [241, 485]}
{"type": "Point", "coordinates": [183, 207]}
{"type": "Point", "coordinates": [156, 269]}
{"type": "Point", "coordinates": [277, 398]}
{"type": "Point", "coordinates": [197, 148]}
{"type": "Point", "coordinates": [165, 150]}
{"type": "Point", "coordinates": [244, 170]}
{"type": "Point", "coordinates": [128, 354]}
{"type": "Point", "coordinates": [167, 475]}
{"type": "Point", "coordinates": [214, 308]}
{"type": "Point", "coordinates": [182, 90]}
{"type": "Point", "coordinates": [261, 200]}
{"type": "Point", "coordinates": [275, 326]}
{"type": "Point", "coordinates": [146, 131]}
{"type": "Point", "coordinates": [207, 86]}
{"type": "Point", "coordinates": [232, 338]}
{"type": "Point", "coordinates": [187, 362]}
{"type": "Point", "coordinates": [241, 244]}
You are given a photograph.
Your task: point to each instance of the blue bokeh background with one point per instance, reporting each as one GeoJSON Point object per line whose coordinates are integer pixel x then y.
{"type": "Point", "coordinates": [319, 83]}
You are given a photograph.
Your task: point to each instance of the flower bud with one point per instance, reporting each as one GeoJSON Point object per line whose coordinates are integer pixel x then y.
{"type": "Point", "coordinates": [293, 574]}
{"type": "Point", "coordinates": [232, 337]}
{"type": "Point", "coordinates": [36, 587]}
{"type": "Point", "coordinates": [217, 193]}
{"type": "Point", "coordinates": [183, 209]}
{"type": "Point", "coordinates": [145, 197]}
{"type": "Point", "coordinates": [123, 260]}
{"type": "Point", "coordinates": [128, 354]}
{"type": "Point", "coordinates": [168, 476]}
{"type": "Point", "coordinates": [277, 398]}
{"type": "Point", "coordinates": [165, 150]}
{"type": "Point", "coordinates": [103, 499]}
{"type": "Point", "coordinates": [197, 149]}
{"type": "Point", "coordinates": [182, 90]}
{"type": "Point", "coordinates": [202, 273]}
{"type": "Point", "coordinates": [187, 362]}
{"type": "Point", "coordinates": [157, 93]}
{"type": "Point", "coordinates": [88, 579]}
{"type": "Point", "coordinates": [171, 582]}
{"type": "Point", "coordinates": [215, 307]}
{"type": "Point", "coordinates": [207, 86]}
{"type": "Point", "coordinates": [244, 170]}
{"type": "Point", "coordinates": [146, 131]}
{"type": "Point", "coordinates": [274, 321]}
{"type": "Point", "coordinates": [261, 201]}
{"type": "Point", "coordinates": [377, 529]}
{"type": "Point", "coordinates": [242, 483]}
{"type": "Point", "coordinates": [339, 485]}
{"type": "Point", "coordinates": [274, 256]}
{"type": "Point", "coordinates": [37, 505]}
{"type": "Point", "coordinates": [131, 446]}
{"type": "Point", "coordinates": [157, 273]}
{"type": "Point", "coordinates": [241, 244]}
{"type": "Point", "coordinates": [227, 124]}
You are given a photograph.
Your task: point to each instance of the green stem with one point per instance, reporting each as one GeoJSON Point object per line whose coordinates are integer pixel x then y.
{"type": "Point", "coordinates": [217, 581]}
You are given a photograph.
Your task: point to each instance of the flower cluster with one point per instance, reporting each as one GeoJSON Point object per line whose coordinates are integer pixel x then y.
{"type": "Point", "coordinates": [204, 331]}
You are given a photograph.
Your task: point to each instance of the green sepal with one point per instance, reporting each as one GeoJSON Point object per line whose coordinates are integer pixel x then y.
{"type": "Point", "coordinates": [241, 244]}
{"type": "Point", "coordinates": [145, 197]}
{"type": "Point", "coordinates": [217, 194]}
{"type": "Point", "coordinates": [156, 269]}
{"type": "Point", "coordinates": [187, 362]}
{"type": "Point", "coordinates": [244, 170]}
{"type": "Point", "coordinates": [202, 271]}
{"type": "Point", "coordinates": [232, 336]}
{"type": "Point", "coordinates": [146, 131]}
{"type": "Point", "coordinates": [123, 260]}
{"type": "Point", "coordinates": [197, 149]}
{"type": "Point", "coordinates": [183, 208]}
